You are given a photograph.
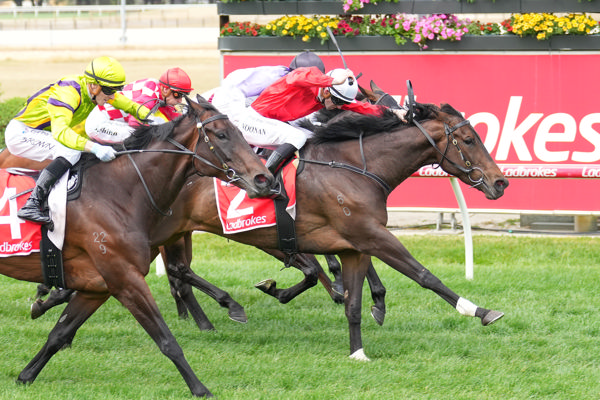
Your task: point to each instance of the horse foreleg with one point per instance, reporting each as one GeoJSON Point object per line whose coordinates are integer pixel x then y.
{"type": "Point", "coordinates": [335, 268]}
{"type": "Point", "coordinates": [355, 266]}
{"type": "Point", "coordinates": [56, 297]}
{"type": "Point", "coordinates": [178, 260]}
{"type": "Point", "coordinates": [377, 294]}
{"type": "Point", "coordinates": [184, 298]}
{"type": "Point", "coordinates": [79, 309]}
{"type": "Point", "coordinates": [135, 295]}
{"type": "Point", "coordinates": [392, 252]}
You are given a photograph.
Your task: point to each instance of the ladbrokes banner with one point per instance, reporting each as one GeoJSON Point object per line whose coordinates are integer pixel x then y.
{"type": "Point", "coordinates": [536, 113]}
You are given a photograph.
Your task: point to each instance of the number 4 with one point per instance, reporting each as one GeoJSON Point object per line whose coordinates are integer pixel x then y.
{"type": "Point", "coordinates": [10, 219]}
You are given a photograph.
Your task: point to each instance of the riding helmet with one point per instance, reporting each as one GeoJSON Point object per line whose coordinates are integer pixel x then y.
{"type": "Point", "coordinates": [176, 79]}
{"type": "Point", "coordinates": [307, 59]}
{"type": "Point", "coordinates": [105, 71]}
{"type": "Point", "coordinates": [344, 91]}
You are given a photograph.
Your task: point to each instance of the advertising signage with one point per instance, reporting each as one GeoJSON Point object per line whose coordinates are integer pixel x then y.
{"type": "Point", "coordinates": [536, 113]}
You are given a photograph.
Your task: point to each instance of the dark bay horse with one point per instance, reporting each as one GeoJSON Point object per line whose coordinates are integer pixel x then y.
{"type": "Point", "coordinates": [109, 237]}
{"type": "Point", "coordinates": [349, 169]}
{"type": "Point", "coordinates": [342, 210]}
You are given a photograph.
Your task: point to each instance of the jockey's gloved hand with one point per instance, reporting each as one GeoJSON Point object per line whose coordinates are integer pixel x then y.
{"type": "Point", "coordinates": [400, 113]}
{"type": "Point", "coordinates": [104, 153]}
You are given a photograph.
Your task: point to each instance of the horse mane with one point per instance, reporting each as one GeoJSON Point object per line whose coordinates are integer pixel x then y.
{"type": "Point", "coordinates": [142, 135]}
{"type": "Point", "coordinates": [353, 125]}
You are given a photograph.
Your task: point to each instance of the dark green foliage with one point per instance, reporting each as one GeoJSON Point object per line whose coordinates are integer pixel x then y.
{"type": "Point", "coordinates": [8, 109]}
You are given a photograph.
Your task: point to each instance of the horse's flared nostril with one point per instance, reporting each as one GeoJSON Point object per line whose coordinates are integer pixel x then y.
{"type": "Point", "coordinates": [500, 185]}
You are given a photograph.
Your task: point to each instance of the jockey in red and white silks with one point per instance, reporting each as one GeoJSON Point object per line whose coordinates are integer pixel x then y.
{"type": "Point", "coordinates": [106, 124]}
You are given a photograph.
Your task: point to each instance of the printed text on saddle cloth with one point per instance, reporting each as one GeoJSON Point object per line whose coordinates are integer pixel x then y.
{"type": "Point", "coordinates": [17, 237]}
{"type": "Point", "coordinates": [239, 213]}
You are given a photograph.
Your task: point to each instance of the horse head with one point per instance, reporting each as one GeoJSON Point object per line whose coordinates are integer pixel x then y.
{"type": "Point", "coordinates": [222, 151]}
{"type": "Point", "coordinates": [460, 151]}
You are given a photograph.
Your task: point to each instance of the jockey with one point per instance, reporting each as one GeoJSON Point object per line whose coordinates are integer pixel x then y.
{"type": "Point", "coordinates": [298, 94]}
{"type": "Point", "coordinates": [241, 87]}
{"type": "Point", "coordinates": [109, 125]}
{"type": "Point", "coordinates": [50, 126]}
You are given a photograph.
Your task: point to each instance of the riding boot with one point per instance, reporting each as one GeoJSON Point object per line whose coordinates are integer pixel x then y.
{"type": "Point", "coordinates": [36, 209]}
{"type": "Point", "coordinates": [279, 156]}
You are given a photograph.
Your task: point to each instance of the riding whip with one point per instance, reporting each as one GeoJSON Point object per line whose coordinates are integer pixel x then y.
{"type": "Point", "coordinates": [337, 46]}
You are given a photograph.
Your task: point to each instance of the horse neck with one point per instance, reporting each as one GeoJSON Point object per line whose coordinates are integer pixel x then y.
{"type": "Point", "coordinates": [163, 174]}
{"type": "Point", "coordinates": [392, 156]}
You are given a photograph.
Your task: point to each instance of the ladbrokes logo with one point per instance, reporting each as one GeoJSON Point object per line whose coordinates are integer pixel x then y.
{"type": "Point", "coordinates": [529, 172]}
{"type": "Point", "coordinates": [15, 247]}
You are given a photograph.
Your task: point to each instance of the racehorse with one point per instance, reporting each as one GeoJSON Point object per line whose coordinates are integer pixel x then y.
{"type": "Point", "coordinates": [178, 260]}
{"type": "Point", "coordinates": [104, 226]}
{"type": "Point", "coordinates": [341, 204]}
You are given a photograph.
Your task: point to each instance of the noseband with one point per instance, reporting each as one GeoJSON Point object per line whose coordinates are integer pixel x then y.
{"type": "Point", "coordinates": [449, 131]}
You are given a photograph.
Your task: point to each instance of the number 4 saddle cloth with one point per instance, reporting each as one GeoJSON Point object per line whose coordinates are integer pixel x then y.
{"type": "Point", "coordinates": [239, 213]}
{"type": "Point", "coordinates": [17, 236]}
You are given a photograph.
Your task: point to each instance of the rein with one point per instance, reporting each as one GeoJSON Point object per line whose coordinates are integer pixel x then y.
{"type": "Point", "coordinates": [229, 172]}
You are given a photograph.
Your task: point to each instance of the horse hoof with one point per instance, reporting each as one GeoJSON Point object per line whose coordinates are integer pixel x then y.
{"type": "Point", "coordinates": [36, 309]}
{"type": "Point", "coordinates": [378, 315]}
{"type": "Point", "coordinates": [265, 285]}
{"type": "Point", "coordinates": [491, 317]}
{"type": "Point", "coordinates": [337, 298]}
{"type": "Point", "coordinates": [238, 316]}
{"type": "Point", "coordinates": [359, 355]}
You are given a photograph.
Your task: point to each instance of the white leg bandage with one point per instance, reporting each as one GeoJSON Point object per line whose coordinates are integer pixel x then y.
{"type": "Point", "coordinates": [465, 307]}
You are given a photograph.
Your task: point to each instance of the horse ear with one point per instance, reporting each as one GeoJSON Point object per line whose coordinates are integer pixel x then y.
{"type": "Point", "coordinates": [363, 91]}
{"type": "Point", "coordinates": [375, 88]}
{"type": "Point", "coordinates": [200, 99]}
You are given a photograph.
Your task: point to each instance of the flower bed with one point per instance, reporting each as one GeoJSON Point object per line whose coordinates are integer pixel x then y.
{"type": "Point", "coordinates": [422, 31]}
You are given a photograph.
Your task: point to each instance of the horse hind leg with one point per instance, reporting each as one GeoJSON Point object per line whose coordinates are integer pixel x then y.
{"type": "Point", "coordinates": [79, 309]}
{"type": "Point", "coordinates": [56, 297]}
{"type": "Point", "coordinates": [312, 271]}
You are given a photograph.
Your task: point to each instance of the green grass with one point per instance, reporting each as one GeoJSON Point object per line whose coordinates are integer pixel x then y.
{"type": "Point", "coordinates": [546, 347]}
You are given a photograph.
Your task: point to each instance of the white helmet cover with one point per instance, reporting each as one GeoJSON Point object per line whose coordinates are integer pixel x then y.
{"type": "Point", "coordinates": [345, 91]}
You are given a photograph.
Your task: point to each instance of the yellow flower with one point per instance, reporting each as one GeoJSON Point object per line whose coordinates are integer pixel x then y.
{"type": "Point", "coordinates": [305, 38]}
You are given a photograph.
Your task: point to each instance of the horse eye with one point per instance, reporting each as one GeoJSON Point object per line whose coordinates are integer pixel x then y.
{"type": "Point", "coordinates": [220, 135]}
{"type": "Point", "coordinates": [469, 141]}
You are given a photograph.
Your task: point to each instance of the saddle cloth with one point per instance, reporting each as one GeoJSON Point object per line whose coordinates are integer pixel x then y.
{"type": "Point", "coordinates": [20, 237]}
{"type": "Point", "coordinates": [239, 213]}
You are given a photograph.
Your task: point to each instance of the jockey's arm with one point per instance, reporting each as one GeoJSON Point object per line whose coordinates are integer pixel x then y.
{"type": "Point", "coordinates": [139, 112]}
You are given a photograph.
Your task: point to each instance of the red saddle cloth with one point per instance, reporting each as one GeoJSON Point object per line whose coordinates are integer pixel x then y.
{"type": "Point", "coordinates": [17, 237]}
{"type": "Point", "coordinates": [239, 213]}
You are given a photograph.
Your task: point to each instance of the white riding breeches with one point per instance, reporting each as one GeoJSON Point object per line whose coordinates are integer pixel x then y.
{"type": "Point", "coordinates": [36, 144]}
{"type": "Point", "coordinates": [258, 131]}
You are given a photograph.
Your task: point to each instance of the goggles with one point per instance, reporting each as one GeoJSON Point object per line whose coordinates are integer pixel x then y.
{"type": "Point", "coordinates": [178, 95]}
{"type": "Point", "coordinates": [109, 91]}
{"type": "Point", "coordinates": [337, 101]}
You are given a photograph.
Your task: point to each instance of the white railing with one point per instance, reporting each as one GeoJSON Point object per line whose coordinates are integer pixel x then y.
{"type": "Point", "coordinates": [95, 9]}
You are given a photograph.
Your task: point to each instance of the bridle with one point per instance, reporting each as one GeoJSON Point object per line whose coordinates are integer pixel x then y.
{"type": "Point", "coordinates": [449, 131]}
{"type": "Point", "coordinates": [229, 172]}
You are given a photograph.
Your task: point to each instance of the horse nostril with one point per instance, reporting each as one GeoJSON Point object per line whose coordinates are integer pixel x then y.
{"type": "Point", "coordinates": [262, 181]}
{"type": "Point", "coordinates": [501, 184]}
